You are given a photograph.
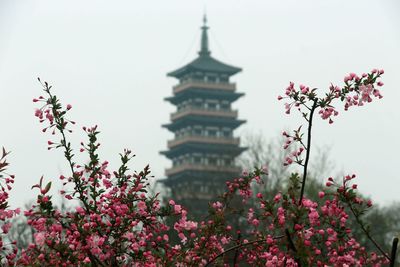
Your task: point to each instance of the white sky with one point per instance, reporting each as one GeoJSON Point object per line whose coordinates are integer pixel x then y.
{"type": "Point", "coordinates": [109, 59]}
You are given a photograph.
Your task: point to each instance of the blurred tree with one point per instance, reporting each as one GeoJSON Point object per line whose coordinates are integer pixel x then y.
{"type": "Point", "coordinates": [21, 231]}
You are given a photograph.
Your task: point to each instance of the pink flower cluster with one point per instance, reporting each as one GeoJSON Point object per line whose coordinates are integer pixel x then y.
{"type": "Point", "coordinates": [356, 92]}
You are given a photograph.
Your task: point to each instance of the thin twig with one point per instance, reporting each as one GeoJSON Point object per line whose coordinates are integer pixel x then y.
{"type": "Point", "coordinates": [301, 142]}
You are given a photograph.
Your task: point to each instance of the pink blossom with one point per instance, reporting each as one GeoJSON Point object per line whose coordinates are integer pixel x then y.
{"type": "Point", "coordinates": [39, 238]}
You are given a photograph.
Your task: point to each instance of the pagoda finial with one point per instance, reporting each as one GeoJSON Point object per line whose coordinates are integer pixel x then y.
{"type": "Point", "coordinates": [204, 51]}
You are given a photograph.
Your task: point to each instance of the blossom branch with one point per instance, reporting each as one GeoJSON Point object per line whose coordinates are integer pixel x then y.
{"type": "Point", "coordinates": [59, 123]}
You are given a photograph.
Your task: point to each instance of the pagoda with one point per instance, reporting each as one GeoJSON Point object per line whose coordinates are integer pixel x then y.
{"type": "Point", "coordinates": [204, 149]}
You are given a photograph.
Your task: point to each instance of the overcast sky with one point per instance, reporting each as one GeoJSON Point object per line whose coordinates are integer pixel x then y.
{"type": "Point", "coordinates": [109, 59]}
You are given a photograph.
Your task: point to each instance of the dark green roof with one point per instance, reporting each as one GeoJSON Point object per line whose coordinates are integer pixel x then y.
{"type": "Point", "coordinates": [205, 63]}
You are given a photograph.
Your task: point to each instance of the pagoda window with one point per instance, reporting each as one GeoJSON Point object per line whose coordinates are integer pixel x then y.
{"type": "Point", "coordinates": [211, 78]}
{"type": "Point", "coordinates": [203, 189]}
{"type": "Point", "coordinates": [186, 131]}
{"type": "Point", "coordinates": [212, 104]}
{"type": "Point", "coordinates": [198, 130]}
{"type": "Point", "coordinates": [225, 105]}
{"type": "Point", "coordinates": [197, 159]}
{"type": "Point", "coordinates": [226, 133]}
{"type": "Point", "coordinates": [224, 78]}
{"type": "Point", "coordinates": [222, 162]}
{"type": "Point", "coordinates": [187, 159]}
{"type": "Point", "coordinates": [213, 161]}
{"type": "Point", "coordinates": [198, 76]}
{"type": "Point", "coordinates": [212, 132]}
{"type": "Point", "coordinates": [180, 106]}
{"type": "Point", "coordinates": [185, 78]}
{"type": "Point", "coordinates": [198, 103]}
{"type": "Point", "coordinates": [182, 133]}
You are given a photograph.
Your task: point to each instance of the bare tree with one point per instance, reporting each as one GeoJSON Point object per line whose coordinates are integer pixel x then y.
{"type": "Point", "coordinates": [263, 152]}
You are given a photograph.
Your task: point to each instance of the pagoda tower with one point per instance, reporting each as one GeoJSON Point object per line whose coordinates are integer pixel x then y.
{"type": "Point", "coordinates": [204, 149]}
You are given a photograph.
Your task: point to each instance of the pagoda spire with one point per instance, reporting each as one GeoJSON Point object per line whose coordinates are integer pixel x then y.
{"type": "Point", "coordinates": [204, 51]}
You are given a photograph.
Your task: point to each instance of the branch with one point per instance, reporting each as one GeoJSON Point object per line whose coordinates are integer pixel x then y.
{"type": "Point", "coordinates": [236, 251]}
{"type": "Point", "coordinates": [367, 232]}
{"type": "Point", "coordinates": [290, 241]}
{"type": "Point", "coordinates": [394, 250]}
{"type": "Point", "coordinates": [303, 183]}
{"type": "Point", "coordinates": [239, 246]}
{"type": "Point", "coordinates": [292, 247]}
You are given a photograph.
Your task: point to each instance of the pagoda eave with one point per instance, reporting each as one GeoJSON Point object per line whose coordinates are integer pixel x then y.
{"type": "Point", "coordinates": [213, 122]}
{"type": "Point", "coordinates": [231, 150]}
{"type": "Point", "coordinates": [193, 93]}
{"type": "Point", "coordinates": [205, 63]}
{"type": "Point", "coordinates": [208, 140]}
{"type": "Point", "coordinates": [193, 170]}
